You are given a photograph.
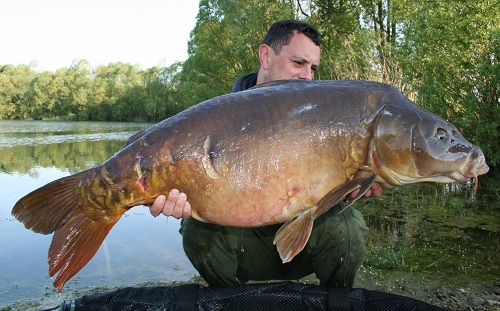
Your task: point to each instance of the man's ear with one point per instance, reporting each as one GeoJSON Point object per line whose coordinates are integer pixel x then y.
{"type": "Point", "coordinates": [264, 56]}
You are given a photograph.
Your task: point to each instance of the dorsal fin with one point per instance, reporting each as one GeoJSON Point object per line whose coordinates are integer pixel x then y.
{"type": "Point", "coordinates": [136, 136]}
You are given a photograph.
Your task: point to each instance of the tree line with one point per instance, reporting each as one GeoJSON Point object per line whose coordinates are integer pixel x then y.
{"type": "Point", "coordinates": [443, 55]}
{"type": "Point", "coordinates": [116, 92]}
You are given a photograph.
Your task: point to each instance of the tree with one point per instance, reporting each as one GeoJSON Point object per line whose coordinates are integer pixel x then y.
{"type": "Point", "coordinates": [114, 80]}
{"type": "Point", "coordinates": [450, 60]}
{"type": "Point", "coordinates": [79, 79]}
{"type": "Point", "coordinates": [44, 100]}
{"type": "Point", "coordinates": [358, 38]}
{"type": "Point", "coordinates": [16, 92]}
{"type": "Point", "coordinates": [225, 40]}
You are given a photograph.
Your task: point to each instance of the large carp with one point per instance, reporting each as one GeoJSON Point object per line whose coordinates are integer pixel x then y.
{"type": "Point", "coordinates": [280, 153]}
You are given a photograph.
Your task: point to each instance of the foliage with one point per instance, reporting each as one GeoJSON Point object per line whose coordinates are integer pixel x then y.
{"type": "Point", "coordinates": [441, 54]}
{"type": "Point", "coordinates": [225, 40]}
{"type": "Point", "coordinates": [450, 59]}
{"type": "Point", "coordinates": [118, 92]}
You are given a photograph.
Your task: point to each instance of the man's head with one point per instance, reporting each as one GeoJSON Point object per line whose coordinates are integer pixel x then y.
{"type": "Point", "coordinates": [290, 50]}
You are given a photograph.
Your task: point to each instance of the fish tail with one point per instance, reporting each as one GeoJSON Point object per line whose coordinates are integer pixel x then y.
{"type": "Point", "coordinates": [47, 208]}
{"type": "Point", "coordinates": [58, 207]}
{"type": "Point", "coordinates": [73, 245]}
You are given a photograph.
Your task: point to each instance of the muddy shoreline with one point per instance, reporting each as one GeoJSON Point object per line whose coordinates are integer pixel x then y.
{"type": "Point", "coordinates": [471, 296]}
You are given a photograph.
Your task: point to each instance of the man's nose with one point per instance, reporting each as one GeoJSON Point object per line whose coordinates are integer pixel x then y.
{"type": "Point", "coordinates": [306, 73]}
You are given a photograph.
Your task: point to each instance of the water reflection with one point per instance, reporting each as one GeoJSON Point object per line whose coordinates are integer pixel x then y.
{"type": "Point", "coordinates": [72, 146]}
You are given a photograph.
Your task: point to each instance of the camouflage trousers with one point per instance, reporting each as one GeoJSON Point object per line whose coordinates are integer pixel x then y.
{"type": "Point", "coordinates": [230, 256]}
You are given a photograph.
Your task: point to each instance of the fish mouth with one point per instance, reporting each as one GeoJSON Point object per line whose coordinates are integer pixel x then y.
{"type": "Point", "coordinates": [474, 166]}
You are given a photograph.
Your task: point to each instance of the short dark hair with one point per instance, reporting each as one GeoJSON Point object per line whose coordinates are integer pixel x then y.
{"type": "Point", "coordinates": [281, 32]}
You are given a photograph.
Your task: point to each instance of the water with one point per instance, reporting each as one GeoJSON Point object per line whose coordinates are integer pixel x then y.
{"type": "Point", "coordinates": [139, 249]}
{"type": "Point", "coordinates": [421, 234]}
{"type": "Point", "coordinates": [437, 232]}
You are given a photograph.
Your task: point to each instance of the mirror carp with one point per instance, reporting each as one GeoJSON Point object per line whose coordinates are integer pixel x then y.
{"type": "Point", "coordinates": [284, 152]}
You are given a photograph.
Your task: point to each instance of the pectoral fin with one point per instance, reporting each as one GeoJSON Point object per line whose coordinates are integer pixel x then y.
{"type": "Point", "coordinates": [207, 161]}
{"type": "Point", "coordinates": [292, 237]}
{"type": "Point", "coordinates": [365, 181]}
{"type": "Point", "coordinates": [362, 181]}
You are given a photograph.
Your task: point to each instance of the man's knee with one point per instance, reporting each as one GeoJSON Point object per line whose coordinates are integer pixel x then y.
{"type": "Point", "coordinates": [357, 231]}
{"type": "Point", "coordinates": [210, 253]}
{"type": "Point", "coordinates": [337, 246]}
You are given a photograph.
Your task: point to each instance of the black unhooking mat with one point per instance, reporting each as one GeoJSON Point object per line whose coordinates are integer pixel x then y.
{"type": "Point", "coordinates": [287, 296]}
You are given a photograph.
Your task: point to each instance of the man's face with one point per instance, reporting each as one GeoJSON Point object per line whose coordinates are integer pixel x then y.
{"type": "Point", "coordinates": [297, 60]}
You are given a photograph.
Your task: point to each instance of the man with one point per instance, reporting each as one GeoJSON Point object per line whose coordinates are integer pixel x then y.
{"type": "Point", "coordinates": [228, 255]}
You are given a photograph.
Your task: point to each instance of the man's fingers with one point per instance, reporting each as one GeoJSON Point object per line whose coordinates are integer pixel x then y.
{"type": "Point", "coordinates": [368, 193]}
{"type": "Point", "coordinates": [179, 206]}
{"type": "Point", "coordinates": [186, 211]}
{"type": "Point", "coordinates": [353, 194]}
{"type": "Point", "coordinates": [175, 204]}
{"type": "Point", "coordinates": [157, 206]}
{"type": "Point", "coordinates": [169, 205]}
{"type": "Point", "coordinates": [376, 190]}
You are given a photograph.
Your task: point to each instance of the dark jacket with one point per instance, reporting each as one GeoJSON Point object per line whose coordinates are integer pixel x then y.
{"type": "Point", "coordinates": [245, 82]}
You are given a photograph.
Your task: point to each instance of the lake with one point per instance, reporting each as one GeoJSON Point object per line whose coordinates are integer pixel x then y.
{"type": "Point", "coordinates": [139, 249]}
{"type": "Point", "coordinates": [432, 235]}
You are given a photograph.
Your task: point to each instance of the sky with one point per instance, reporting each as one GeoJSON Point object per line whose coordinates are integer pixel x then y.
{"type": "Point", "coordinates": [54, 33]}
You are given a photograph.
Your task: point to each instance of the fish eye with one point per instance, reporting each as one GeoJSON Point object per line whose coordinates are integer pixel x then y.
{"type": "Point", "coordinates": [441, 134]}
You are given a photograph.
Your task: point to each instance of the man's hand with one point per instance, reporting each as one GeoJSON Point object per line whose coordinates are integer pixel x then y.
{"type": "Point", "coordinates": [175, 205]}
{"type": "Point", "coordinates": [374, 191]}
